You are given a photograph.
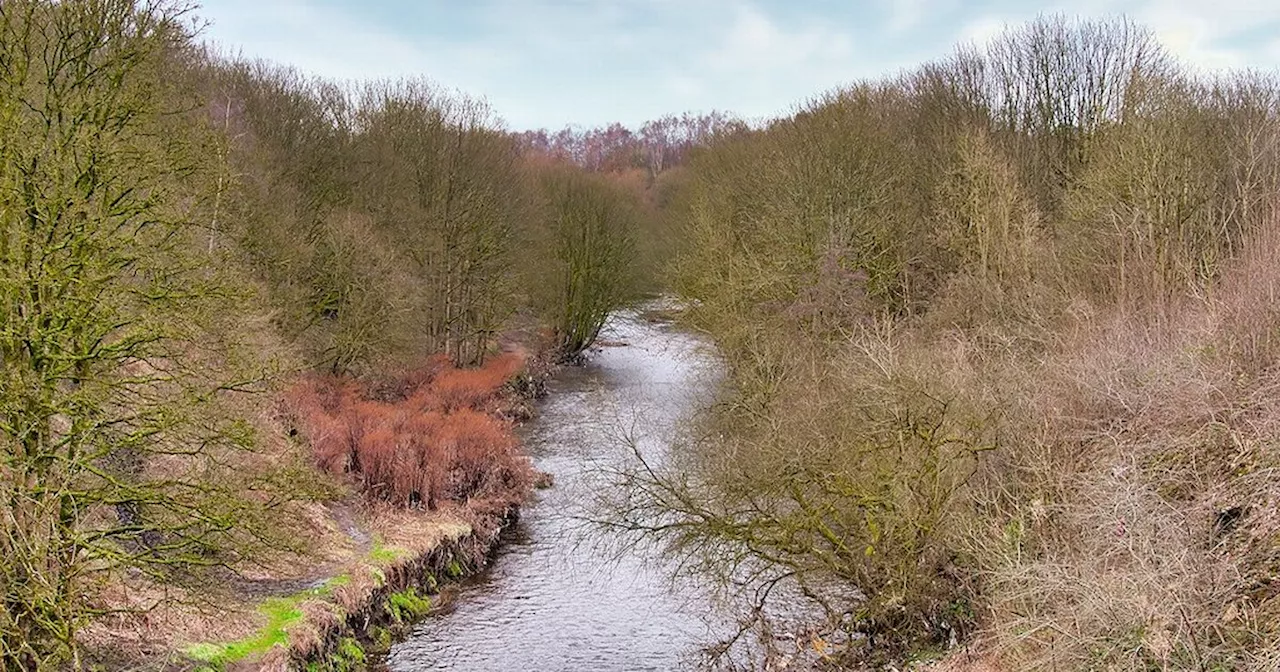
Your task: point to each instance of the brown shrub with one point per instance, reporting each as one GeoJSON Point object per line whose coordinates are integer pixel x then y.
{"type": "Point", "coordinates": [433, 435]}
{"type": "Point", "coordinates": [1137, 519]}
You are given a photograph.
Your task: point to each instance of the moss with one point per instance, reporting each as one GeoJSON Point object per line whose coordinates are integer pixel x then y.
{"type": "Point", "coordinates": [206, 652]}
{"type": "Point", "coordinates": [280, 612]}
{"type": "Point", "coordinates": [402, 607]}
{"type": "Point", "coordinates": [348, 656]}
{"type": "Point", "coordinates": [381, 638]}
{"type": "Point", "coordinates": [335, 582]}
{"type": "Point", "coordinates": [386, 555]}
{"type": "Point", "coordinates": [408, 605]}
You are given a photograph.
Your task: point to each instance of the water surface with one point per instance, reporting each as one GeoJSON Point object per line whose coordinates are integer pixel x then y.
{"type": "Point", "coordinates": [553, 600]}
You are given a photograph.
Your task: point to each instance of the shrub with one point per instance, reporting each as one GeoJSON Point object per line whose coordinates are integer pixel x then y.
{"type": "Point", "coordinates": [437, 438]}
{"type": "Point", "coordinates": [845, 483]}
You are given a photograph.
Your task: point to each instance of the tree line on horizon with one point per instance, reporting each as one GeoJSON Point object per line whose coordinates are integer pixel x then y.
{"type": "Point", "coordinates": [656, 146]}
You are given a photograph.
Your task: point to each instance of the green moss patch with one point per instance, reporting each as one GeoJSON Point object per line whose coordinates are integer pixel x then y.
{"type": "Point", "coordinates": [386, 555]}
{"type": "Point", "coordinates": [280, 612]}
{"type": "Point", "coordinates": [408, 605]}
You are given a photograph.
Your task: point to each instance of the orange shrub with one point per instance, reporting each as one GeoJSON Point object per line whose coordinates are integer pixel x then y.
{"type": "Point", "coordinates": [429, 436]}
{"type": "Point", "coordinates": [475, 388]}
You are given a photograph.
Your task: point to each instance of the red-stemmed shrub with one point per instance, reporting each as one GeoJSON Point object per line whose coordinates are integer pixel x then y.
{"type": "Point", "coordinates": [474, 388]}
{"type": "Point", "coordinates": [430, 436]}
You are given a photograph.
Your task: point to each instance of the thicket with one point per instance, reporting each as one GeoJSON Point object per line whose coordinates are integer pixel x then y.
{"type": "Point", "coordinates": [434, 436]}
{"type": "Point", "coordinates": [392, 219]}
{"type": "Point", "coordinates": [119, 419]}
{"type": "Point", "coordinates": [1001, 352]}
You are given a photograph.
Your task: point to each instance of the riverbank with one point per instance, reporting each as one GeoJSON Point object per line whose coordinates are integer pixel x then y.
{"type": "Point", "coordinates": [370, 569]}
{"type": "Point", "coordinates": [365, 561]}
{"type": "Point", "coordinates": [344, 629]}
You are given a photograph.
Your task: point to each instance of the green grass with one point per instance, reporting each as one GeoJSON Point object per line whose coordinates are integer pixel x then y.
{"type": "Point", "coordinates": [385, 555]}
{"type": "Point", "coordinates": [281, 612]}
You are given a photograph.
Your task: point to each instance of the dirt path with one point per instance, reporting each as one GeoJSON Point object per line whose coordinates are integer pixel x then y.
{"type": "Point", "coordinates": [345, 518]}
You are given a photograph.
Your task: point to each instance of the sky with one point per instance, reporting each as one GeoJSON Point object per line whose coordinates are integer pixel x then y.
{"type": "Point", "coordinates": [554, 63]}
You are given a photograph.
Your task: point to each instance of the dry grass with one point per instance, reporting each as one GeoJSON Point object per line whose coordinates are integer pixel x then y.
{"type": "Point", "coordinates": [153, 619]}
{"type": "Point", "coordinates": [1134, 522]}
{"type": "Point", "coordinates": [165, 622]}
{"type": "Point", "coordinates": [972, 658]}
{"type": "Point", "coordinates": [156, 620]}
{"type": "Point", "coordinates": [306, 638]}
{"type": "Point", "coordinates": [417, 531]}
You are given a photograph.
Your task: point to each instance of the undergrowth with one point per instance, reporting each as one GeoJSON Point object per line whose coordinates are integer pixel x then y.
{"type": "Point", "coordinates": [434, 435]}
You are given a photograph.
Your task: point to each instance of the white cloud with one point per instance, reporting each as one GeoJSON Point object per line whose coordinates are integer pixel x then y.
{"type": "Point", "coordinates": [755, 42]}
{"type": "Point", "coordinates": [982, 30]}
{"type": "Point", "coordinates": [1205, 35]}
{"type": "Point", "coordinates": [310, 38]}
{"type": "Point", "coordinates": [760, 65]}
{"type": "Point", "coordinates": [552, 62]}
{"type": "Point", "coordinates": [343, 45]}
{"type": "Point", "coordinates": [907, 15]}
{"type": "Point", "coordinates": [685, 86]}
{"type": "Point", "coordinates": [1208, 34]}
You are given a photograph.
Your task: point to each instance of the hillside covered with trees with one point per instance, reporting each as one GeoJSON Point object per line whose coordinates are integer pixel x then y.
{"type": "Point", "coordinates": [1001, 335]}
{"type": "Point", "coordinates": [231, 292]}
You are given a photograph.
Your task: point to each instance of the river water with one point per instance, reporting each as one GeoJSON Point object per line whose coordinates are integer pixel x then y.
{"type": "Point", "coordinates": [554, 598]}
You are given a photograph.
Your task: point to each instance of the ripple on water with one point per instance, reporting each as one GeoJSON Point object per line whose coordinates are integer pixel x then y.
{"type": "Point", "coordinates": [552, 600]}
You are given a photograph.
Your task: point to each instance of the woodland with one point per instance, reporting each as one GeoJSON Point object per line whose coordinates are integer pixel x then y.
{"type": "Point", "coordinates": [1000, 335]}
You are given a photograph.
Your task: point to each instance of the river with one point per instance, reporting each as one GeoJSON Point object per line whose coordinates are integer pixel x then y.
{"type": "Point", "coordinates": [554, 599]}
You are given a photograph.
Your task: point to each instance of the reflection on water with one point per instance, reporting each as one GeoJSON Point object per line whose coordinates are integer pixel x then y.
{"type": "Point", "coordinates": [552, 600]}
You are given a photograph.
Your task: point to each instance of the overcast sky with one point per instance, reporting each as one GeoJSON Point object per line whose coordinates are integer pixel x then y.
{"type": "Point", "coordinates": [551, 63]}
